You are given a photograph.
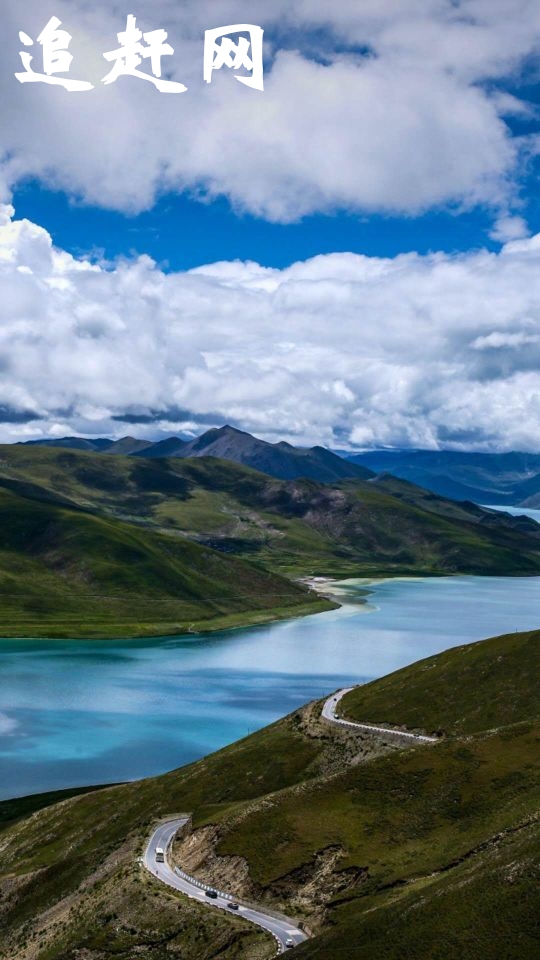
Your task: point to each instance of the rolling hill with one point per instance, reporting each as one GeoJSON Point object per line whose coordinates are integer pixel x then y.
{"type": "Point", "coordinates": [506, 479]}
{"type": "Point", "coordinates": [298, 527]}
{"type": "Point", "coordinates": [425, 851]}
{"type": "Point", "coordinates": [434, 695]}
{"type": "Point", "coordinates": [65, 572]}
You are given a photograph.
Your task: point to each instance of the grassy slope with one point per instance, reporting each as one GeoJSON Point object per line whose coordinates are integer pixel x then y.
{"type": "Point", "coordinates": [435, 847]}
{"type": "Point", "coordinates": [65, 573]}
{"type": "Point", "coordinates": [429, 695]}
{"type": "Point", "coordinates": [59, 853]}
{"type": "Point", "coordinates": [483, 909]}
{"type": "Point", "coordinates": [295, 527]}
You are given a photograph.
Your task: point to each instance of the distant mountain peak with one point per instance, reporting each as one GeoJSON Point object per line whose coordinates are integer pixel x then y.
{"type": "Point", "coordinates": [227, 431]}
{"type": "Point", "coordinates": [227, 428]}
{"type": "Point", "coordinates": [281, 460]}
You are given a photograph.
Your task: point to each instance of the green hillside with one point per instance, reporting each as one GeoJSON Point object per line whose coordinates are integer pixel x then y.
{"type": "Point", "coordinates": [481, 909]}
{"type": "Point", "coordinates": [68, 573]}
{"type": "Point", "coordinates": [297, 527]}
{"type": "Point", "coordinates": [439, 694]}
{"type": "Point", "coordinates": [390, 851]}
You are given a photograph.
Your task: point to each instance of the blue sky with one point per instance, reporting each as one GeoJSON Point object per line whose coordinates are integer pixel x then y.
{"type": "Point", "coordinates": [180, 232]}
{"type": "Point", "coordinates": [350, 258]}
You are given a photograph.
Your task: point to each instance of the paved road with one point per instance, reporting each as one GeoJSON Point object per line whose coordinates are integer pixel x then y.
{"type": "Point", "coordinates": [281, 929]}
{"type": "Point", "coordinates": [329, 713]}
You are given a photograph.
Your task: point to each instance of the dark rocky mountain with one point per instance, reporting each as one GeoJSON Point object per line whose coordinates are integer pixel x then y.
{"type": "Point", "coordinates": [280, 460]}
{"type": "Point", "coordinates": [171, 447]}
{"type": "Point", "coordinates": [507, 479]}
{"type": "Point", "coordinates": [128, 446]}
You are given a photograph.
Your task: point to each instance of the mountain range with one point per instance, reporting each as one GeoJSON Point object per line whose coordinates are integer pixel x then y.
{"type": "Point", "coordinates": [507, 479]}
{"type": "Point", "coordinates": [99, 545]}
{"type": "Point", "coordinates": [124, 541]}
{"type": "Point", "coordinates": [280, 460]}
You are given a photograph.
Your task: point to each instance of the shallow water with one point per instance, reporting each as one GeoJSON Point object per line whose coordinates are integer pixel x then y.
{"type": "Point", "coordinates": [74, 712]}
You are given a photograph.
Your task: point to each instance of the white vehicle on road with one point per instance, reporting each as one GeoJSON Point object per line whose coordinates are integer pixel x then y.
{"type": "Point", "coordinates": [285, 931]}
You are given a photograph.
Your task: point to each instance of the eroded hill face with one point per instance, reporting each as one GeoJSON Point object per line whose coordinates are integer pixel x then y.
{"type": "Point", "coordinates": [422, 851]}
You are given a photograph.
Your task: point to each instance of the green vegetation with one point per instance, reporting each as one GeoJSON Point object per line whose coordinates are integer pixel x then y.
{"type": "Point", "coordinates": [481, 909]}
{"type": "Point", "coordinates": [440, 693]}
{"type": "Point", "coordinates": [19, 807]}
{"type": "Point", "coordinates": [402, 815]}
{"type": "Point", "coordinates": [68, 573]}
{"type": "Point", "coordinates": [297, 527]}
{"type": "Point", "coordinates": [421, 852]}
{"type": "Point", "coordinates": [101, 546]}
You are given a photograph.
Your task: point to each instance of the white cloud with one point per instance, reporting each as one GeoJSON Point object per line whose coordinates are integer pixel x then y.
{"type": "Point", "coordinates": [8, 725]}
{"type": "Point", "coordinates": [414, 124]}
{"type": "Point", "coordinates": [509, 228]}
{"type": "Point", "coordinates": [495, 341]}
{"type": "Point", "coordinates": [415, 350]}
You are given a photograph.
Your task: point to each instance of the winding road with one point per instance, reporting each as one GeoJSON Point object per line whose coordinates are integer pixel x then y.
{"type": "Point", "coordinates": [284, 931]}
{"type": "Point", "coordinates": [329, 713]}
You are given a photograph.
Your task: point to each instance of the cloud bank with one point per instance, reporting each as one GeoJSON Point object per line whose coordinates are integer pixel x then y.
{"type": "Point", "coordinates": [392, 106]}
{"type": "Point", "coordinates": [343, 349]}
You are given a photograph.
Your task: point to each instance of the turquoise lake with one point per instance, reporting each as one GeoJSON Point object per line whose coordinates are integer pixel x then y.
{"type": "Point", "coordinates": [75, 712]}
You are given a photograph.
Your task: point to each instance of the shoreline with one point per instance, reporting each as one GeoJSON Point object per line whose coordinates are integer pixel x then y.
{"type": "Point", "coordinates": [195, 629]}
{"type": "Point", "coordinates": [362, 606]}
{"type": "Point", "coordinates": [330, 596]}
{"type": "Point", "coordinates": [332, 584]}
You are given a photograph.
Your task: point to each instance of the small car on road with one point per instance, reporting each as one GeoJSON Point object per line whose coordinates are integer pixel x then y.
{"type": "Point", "coordinates": [232, 905]}
{"type": "Point", "coordinates": [289, 942]}
{"type": "Point", "coordinates": [211, 893]}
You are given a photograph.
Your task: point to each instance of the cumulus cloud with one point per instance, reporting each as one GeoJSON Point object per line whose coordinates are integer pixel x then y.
{"type": "Point", "coordinates": [343, 349]}
{"type": "Point", "coordinates": [379, 105]}
{"type": "Point", "coordinates": [509, 228]}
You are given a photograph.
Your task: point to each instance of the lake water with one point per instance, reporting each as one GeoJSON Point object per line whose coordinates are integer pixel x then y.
{"type": "Point", "coordinates": [75, 712]}
{"type": "Point", "coordinates": [517, 511]}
